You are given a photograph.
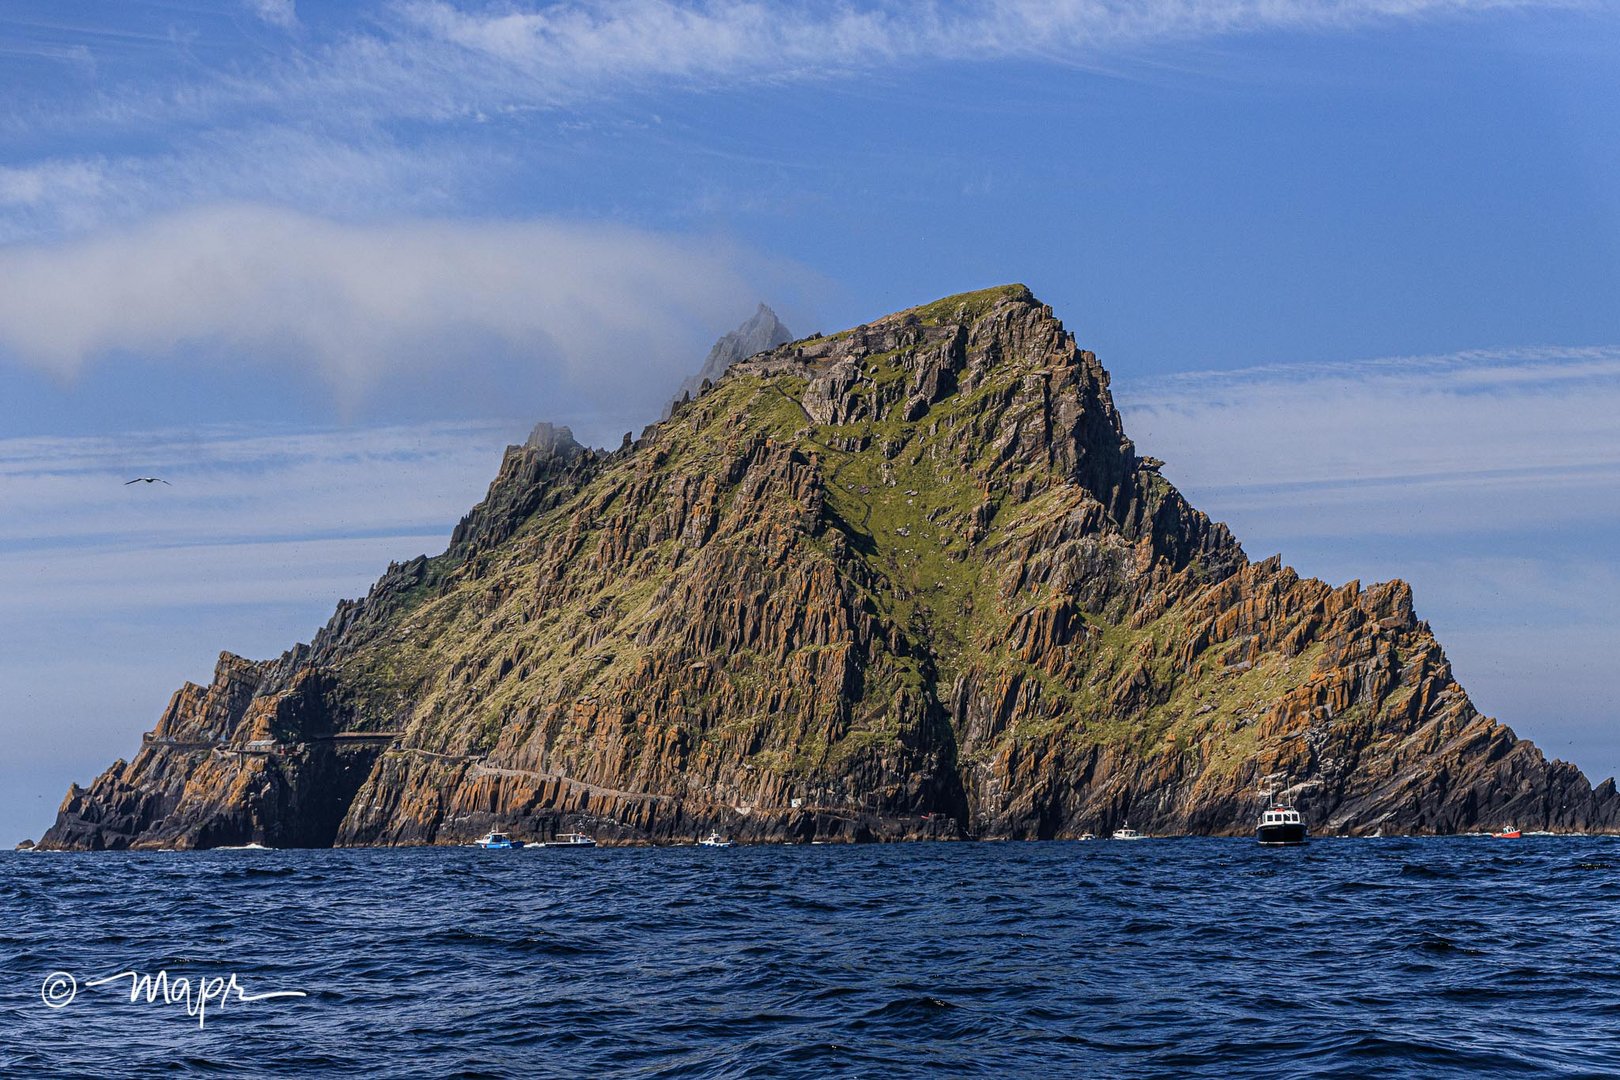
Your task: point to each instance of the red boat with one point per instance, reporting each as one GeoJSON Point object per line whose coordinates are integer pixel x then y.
{"type": "Point", "coordinates": [1507, 834]}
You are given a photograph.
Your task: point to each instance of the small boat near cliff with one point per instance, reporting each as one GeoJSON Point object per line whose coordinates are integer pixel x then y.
{"type": "Point", "coordinates": [1281, 826]}
{"type": "Point", "coordinates": [714, 839]}
{"type": "Point", "coordinates": [497, 841]}
{"type": "Point", "coordinates": [1509, 833]}
{"type": "Point", "coordinates": [570, 840]}
{"type": "Point", "coordinates": [1125, 832]}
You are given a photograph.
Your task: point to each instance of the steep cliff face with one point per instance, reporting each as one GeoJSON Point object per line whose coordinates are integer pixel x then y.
{"type": "Point", "coordinates": [909, 580]}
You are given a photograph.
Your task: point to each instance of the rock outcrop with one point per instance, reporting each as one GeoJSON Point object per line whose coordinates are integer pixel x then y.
{"type": "Point", "coordinates": [762, 332]}
{"type": "Point", "coordinates": [909, 580]}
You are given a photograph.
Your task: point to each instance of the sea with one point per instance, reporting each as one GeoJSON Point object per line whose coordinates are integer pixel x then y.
{"type": "Point", "coordinates": [1161, 958]}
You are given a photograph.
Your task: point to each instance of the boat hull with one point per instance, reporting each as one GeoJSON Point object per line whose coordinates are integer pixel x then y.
{"type": "Point", "coordinates": [1282, 834]}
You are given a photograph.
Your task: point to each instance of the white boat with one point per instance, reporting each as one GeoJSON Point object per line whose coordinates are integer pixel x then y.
{"type": "Point", "coordinates": [497, 841]}
{"type": "Point", "coordinates": [1127, 833]}
{"type": "Point", "coordinates": [1281, 826]}
{"type": "Point", "coordinates": [714, 839]}
{"type": "Point", "coordinates": [571, 840]}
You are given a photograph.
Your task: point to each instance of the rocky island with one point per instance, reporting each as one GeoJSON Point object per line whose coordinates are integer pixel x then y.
{"type": "Point", "coordinates": [910, 580]}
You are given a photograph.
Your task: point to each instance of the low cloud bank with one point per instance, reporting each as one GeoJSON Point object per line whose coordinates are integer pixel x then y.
{"type": "Point", "coordinates": [360, 303]}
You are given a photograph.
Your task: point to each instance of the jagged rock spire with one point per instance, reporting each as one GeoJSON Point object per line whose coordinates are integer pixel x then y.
{"type": "Point", "coordinates": [760, 332]}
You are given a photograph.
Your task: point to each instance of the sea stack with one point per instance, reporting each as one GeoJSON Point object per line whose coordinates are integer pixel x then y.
{"type": "Point", "coordinates": [910, 580]}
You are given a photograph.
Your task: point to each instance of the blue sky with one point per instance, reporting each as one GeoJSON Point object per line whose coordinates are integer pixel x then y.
{"type": "Point", "coordinates": [1354, 267]}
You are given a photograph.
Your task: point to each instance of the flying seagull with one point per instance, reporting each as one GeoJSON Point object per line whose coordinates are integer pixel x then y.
{"type": "Point", "coordinates": [147, 480]}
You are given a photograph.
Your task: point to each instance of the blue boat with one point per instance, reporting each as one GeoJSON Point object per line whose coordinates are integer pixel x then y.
{"type": "Point", "coordinates": [497, 840]}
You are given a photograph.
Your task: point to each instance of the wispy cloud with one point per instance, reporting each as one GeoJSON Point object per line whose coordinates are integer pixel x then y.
{"type": "Point", "coordinates": [359, 303]}
{"type": "Point", "coordinates": [349, 176]}
{"type": "Point", "coordinates": [1474, 441]}
{"type": "Point", "coordinates": [439, 60]}
{"type": "Point", "coordinates": [562, 49]}
{"type": "Point", "coordinates": [34, 184]}
{"type": "Point", "coordinates": [282, 13]}
{"type": "Point", "coordinates": [302, 118]}
{"type": "Point", "coordinates": [250, 516]}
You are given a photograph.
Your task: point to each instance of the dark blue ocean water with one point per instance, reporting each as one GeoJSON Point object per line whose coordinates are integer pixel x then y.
{"type": "Point", "coordinates": [1176, 958]}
